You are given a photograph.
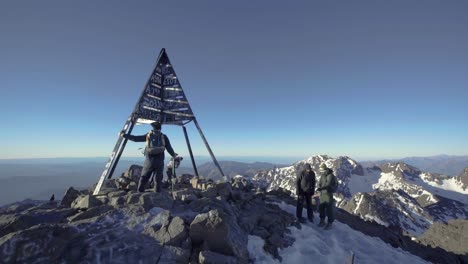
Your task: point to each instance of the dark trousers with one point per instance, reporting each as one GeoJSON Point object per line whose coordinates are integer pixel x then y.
{"type": "Point", "coordinates": [307, 197]}
{"type": "Point", "coordinates": [328, 210]}
{"type": "Point", "coordinates": [169, 174]}
{"type": "Point", "coordinates": [151, 165]}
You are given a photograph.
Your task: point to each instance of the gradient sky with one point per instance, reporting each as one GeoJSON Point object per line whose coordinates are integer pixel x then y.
{"type": "Point", "coordinates": [367, 79]}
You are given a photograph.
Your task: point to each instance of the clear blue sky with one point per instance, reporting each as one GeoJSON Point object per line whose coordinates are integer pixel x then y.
{"type": "Point", "coordinates": [368, 79]}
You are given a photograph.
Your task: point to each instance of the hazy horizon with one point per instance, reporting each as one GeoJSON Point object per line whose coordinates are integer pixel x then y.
{"type": "Point", "coordinates": [247, 159]}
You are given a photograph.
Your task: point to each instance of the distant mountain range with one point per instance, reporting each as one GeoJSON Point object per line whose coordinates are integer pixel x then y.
{"type": "Point", "coordinates": [392, 194]}
{"type": "Point", "coordinates": [230, 169]}
{"type": "Point", "coordinates": [443, 164]}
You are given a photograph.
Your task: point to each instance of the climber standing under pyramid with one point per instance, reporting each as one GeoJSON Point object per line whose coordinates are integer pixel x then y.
{"type": "Point", "coordinates": [156, 144]}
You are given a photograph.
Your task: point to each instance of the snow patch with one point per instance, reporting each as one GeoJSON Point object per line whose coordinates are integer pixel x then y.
{"type": "Point", "coordinates": [314, 244]}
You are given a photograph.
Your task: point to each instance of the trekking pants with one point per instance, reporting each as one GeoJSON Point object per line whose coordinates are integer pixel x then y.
{"type": "Point", "coordinates": [169, 174]}
{"type": "Point", "coordinates": [300, 204]}
{"type": "Point", "coordinates": [327, 209]}
{"type": "Point", "coordinates": [152, 164]}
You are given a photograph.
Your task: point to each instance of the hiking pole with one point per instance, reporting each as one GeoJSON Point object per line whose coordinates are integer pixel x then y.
{"type": "Point", "coordinates": [173, 177]}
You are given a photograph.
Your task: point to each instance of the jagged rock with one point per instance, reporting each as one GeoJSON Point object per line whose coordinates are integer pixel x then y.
{"type": "Point", "coordinates": [185, 179]}
{"type": "Point", "coordinates": [108, 239]}
{"type": "Point", "coordinates": [452, 236]}
{"type": "Point", "coordinates": [185, 195]}
{"type": "Point", "coordinates": [223, 189]}
{"type": "Point", "coordinates": [204, 205]}
{"type": "Point", "coordinates": [90, 213]}
{"type": "Point", "coordinates": [188, 198]}
{"type": "Point", "coordinates": [220, 233]}
{"type": "Point", "coordinates": [39, 244]}
{"type": "Point", "coordinates": [167, 230]}
{"type": "Point", "coordinates": [11, 223]}
{"type": "Point", "coordinates": [208, 257]}
{"type": "Point", "coordinates": [269, 222]}
{"type": "Point", "coordinates": [172, 254]}
{"type": "Point", "coordinates": [109, 184]}
{"type": "Point", "coordinates": [103, 199]}
{"type": "Point", "coordinates": [116, 194]}
{"type": "Point", "coordinates": [133, 197]}
{"type": "Point", "coordinates": [194, 182]}
{"type": "Point", "coordinates": [70, 195]}
{"type": "Point", "coordinates": [210, 193]}
{"type": "Point", "coordinates": [241, 183]}
{"type": "Point", "coordinates": [151, 199]}
{"type": "Point", "coordinates": [117, 201]}
{"type": "Point", "coordinates": [85, 202]}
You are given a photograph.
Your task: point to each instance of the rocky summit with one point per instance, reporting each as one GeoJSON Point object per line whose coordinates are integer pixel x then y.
{"type": "Point", "coordinates": [196, 220]}
{"type": "Point", "coordinates": [187, 225]}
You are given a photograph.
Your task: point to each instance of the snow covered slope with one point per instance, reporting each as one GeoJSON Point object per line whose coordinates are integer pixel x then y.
{"type": "Point", "coordinates": [316, 245]}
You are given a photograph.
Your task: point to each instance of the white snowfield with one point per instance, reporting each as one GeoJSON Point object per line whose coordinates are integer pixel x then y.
{"type": "Point", "coordinates": [316, 245]}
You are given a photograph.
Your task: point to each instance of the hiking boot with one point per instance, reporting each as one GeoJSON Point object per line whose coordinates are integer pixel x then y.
{"type": "Point", "coordinates": [329, 226]}
{"type": "Point", "coordinates": [322, 223]}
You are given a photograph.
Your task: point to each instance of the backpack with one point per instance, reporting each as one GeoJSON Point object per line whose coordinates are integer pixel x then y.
{"type": "Point", "coordinates": [333, 184]}
{"type": "Point", "coordinates": [155, 143]}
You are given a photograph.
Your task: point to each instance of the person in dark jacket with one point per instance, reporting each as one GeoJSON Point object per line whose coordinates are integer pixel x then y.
{"type": "Point", "coordinates": [327, 203]}
{"type": "Point", "coordinates": [305, 186]}
{"type": "Point", "coordinates": [156, 144]}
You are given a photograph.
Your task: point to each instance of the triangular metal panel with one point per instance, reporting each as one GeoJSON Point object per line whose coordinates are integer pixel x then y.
{"type": "Point", "coordinates": [163, 98]}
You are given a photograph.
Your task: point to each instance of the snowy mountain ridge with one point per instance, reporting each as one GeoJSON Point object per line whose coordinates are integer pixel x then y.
{"type": "Point", "coordinates": [394, 194]}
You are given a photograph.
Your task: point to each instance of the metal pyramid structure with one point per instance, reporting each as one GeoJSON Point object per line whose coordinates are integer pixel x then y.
{"type": "Point", "coordinates": [163, 100]}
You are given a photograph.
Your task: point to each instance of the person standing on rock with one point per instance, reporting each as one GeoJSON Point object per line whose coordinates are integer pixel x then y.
{"type": "Point", "coordinates": [326, 187]}
{"type": "Point", "coordinates": [305, 186]}
{"type": "Point", "coordinates": [156, 144]}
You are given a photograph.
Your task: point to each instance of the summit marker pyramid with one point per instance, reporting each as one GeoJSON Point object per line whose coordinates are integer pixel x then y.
{"type": "Point", "coordinates": [163, 100]}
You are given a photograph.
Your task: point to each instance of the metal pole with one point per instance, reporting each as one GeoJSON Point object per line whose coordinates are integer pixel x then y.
{"type": "Point", "coordinates": [209, 149]}
{"type": "Point", "coordinates": [117, 158]}
{"type": "Point", "coordinates": [115, 155]}
{"type": "Point", "coordinates": [190, 151]}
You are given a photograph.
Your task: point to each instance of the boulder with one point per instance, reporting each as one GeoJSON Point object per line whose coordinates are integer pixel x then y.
{"type": "Point", "coordinates": [204, 205]}
{"type": "Point", "coordinates": [185, 195]}
{"type": "Point", "coordinates": [152, 199]}
{"type": "Point", "coordinates": [172, 254]}
{"type": "Point", "coordinates": [12, 223]}
{"type": "Point", "coordinates": [194, 182]}
{"type": "Point", "coordinates": [116, 194]}
{"type": "Point", "coordinates": [117, 201]}
{"type": "Point", "coordinates": [224, 190]}
{"type": "Point", "coordinates": [70, 195]}
{"type": "Point", "coordinates": [220, 233]}
{"type": "Point", "coordinates": [133, 197]}
{"type": "Point", "coordinates": [210, 193]}
{"type": "Point", "coordinates": [103, 198]}
{"type": "Point", "coordinates": [167, 230]}
{"type": "Point", "coordinates": [209, 257]}
{"type": "Point", "coordinates": [39, 244]}
{"type": "Point", "coordinates": [85, 202]}
{"type": "Point", "coordinates": [91, 213]}
{"type": "Point", "coordinates": [109, 240]}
